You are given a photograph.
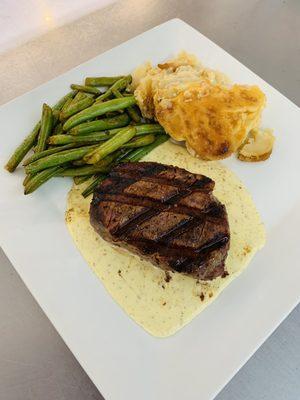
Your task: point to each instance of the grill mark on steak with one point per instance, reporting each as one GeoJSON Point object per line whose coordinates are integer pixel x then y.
{"type": "Point", "coordinates": [120, 183]}
{"type": "Point", "coordinates": [147, 214]}
{"type": "Point", "coordinates": [151, 192]}
{"type": "Point", "coordinates": [150, 203]}
{"type": "Point", "coordinates": [186, 254]}
{"type": "Point", "coordinates": [146, 202]}
{"type": "Point", "coordinates": [214, 244]}
{"type": "Point", "coordinates": [181, 227]}
{"type": "Point", "coordinates": [132, 222]}
{"type": "Point", "coordinates": [142, 172]}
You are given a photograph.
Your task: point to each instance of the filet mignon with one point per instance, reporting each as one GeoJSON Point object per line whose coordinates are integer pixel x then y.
{"type": "Point", "coordinates": [164, 214]}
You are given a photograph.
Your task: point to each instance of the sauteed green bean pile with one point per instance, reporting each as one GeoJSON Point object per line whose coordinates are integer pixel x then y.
{"type": "Point", "coordinates": [88, 131]}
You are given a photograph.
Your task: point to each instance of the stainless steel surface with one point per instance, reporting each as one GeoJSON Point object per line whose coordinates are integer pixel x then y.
{"type": "Point", "coordinates": [264, 35]}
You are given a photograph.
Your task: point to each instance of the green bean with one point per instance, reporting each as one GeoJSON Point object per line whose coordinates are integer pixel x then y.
{"type": "Point", "coordinates": [79, 96]}
{"type": "Point", "coordinates": [40, 178]}
{"type": "Point", "coordinates": [86, 89]}
{"type": "Point", "coordinates": [90, 188]}
{"type": "Point", "coordinates": [112, 132]}
{"type": "Point", "coordinates": [113, 114]}
{"type": "Point", "coordinates": [123, 154]}
{"type": "Point", "coordinates": [76, 107]}
{"type": "Point", "coordinates": [55, 114]}
{"type": "Point", "coordinates": [79, 162]}
{"type": "Point", "coordinates": [126, 94]}
{"type": "Point", "coordinates": [119, 85]}
{"type": "Point", "coordinates": [60, 158]}
{"type": "Point", "coordinates": [110, 145]}
{"type": "Point", "coordinates": [23, 149]}
{"type": "Point", "coordinates": [48, 152]}
{"type": "Point", "coordinates": [98, 109]}
{"type": "Point", "coordinates": [78, 180]}
{"type": "Point", "coordinates": [132, 111]}
{"type": "Point", "coordinates": [134, 114]}
{"type": "Point", "coordinates": [27, 179]}
{"type": "Point", "coordinates": [139, 141]}
{"type": "Point", "coordinates": [102, 81]}
{"type": "Point", "coordinates": [67, 103]}
{"type": "Point", "coordinates": [46, 126]}
{"type": "Point", "coordinates": [100, 125]}
{"type": "Point", "coordinates": [85, 170]}
{"type": "Point", "coordinates": [149, 128]}
{"type": "Point", "coordinates": [59, 105]}
{"type": "Point", "coordinates": [109, 159]}
{"type": "Point", "coordinates": [29, 141]}
{"type": "Point", "coordinates": [141, 152]}
{"type": "Point", "coordinates": [105, 161]}
{"type": "Point", "coordinates": [58, 129]}
{"type": "Point", "coordinates": [142, 129]}
{"type": "Point", "coordinates": [92, 137]}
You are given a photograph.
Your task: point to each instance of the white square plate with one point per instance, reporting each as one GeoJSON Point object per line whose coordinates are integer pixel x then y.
{"type": "Point", "coordinates": [119, 356]}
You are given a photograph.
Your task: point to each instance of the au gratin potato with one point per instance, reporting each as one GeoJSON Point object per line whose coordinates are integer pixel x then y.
{"type": "Point", "coordinates": [201, 107]}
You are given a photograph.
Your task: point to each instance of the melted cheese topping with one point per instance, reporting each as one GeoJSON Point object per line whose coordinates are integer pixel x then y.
{"type": "Point", "coordinates": [198, 105]}
{"type": "Point", "coordinates": [141, 289]}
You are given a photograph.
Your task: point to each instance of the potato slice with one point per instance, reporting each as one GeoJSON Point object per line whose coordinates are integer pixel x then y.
{"type": "Point", "coordinates": [258, 146]}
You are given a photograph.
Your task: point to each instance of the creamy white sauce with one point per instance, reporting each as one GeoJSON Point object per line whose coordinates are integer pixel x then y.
{"type": "Point", "coordinates": [161, 307]}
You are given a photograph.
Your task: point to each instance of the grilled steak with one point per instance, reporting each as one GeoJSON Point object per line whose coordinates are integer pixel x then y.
{"type": "Point", "coordinates": [164, 214]}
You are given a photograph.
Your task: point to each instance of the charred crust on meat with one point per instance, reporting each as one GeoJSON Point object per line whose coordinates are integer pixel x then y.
{"type": "Point", "coordinates": [166, 215]}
